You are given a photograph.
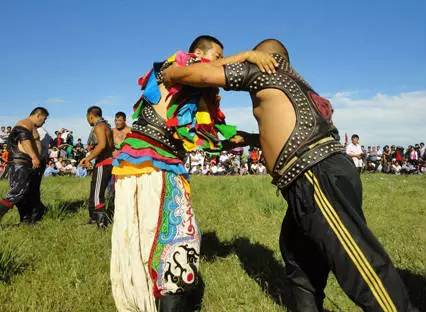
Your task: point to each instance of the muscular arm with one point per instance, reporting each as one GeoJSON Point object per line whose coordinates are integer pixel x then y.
{"type": "Point", "coordinates": [197, 75]}
{"type": "Point", "coordinates": [102, 142]}
{"type": "Point", "coordinates": [212, 74]}
{"type": "Point", "coordinates": [28, 147]}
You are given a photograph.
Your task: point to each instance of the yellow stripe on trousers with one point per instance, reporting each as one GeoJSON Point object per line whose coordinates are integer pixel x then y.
{"type": "Point", "coordinates": [352, 249]}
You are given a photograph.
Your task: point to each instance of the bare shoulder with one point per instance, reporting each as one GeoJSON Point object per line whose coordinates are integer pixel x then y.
{"type": "Point", "coordinates": [26, 124]}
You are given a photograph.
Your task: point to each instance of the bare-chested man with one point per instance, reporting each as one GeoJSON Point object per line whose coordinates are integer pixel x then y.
{"type": "Point", "coordinates": [324, 228]}
{"type": "Point", "coordinates": [25, 167]}
{"type": "Point", "coordinates": [102, 144]}
{"type": "Point", "coordinates": [121, 128]}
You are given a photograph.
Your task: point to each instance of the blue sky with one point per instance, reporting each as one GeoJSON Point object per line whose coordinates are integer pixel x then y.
{"type": "Point", "coordinates": [67, 55]}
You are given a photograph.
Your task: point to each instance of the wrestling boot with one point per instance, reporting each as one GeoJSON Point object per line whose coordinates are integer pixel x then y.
{"type": "Point", "coordinates": [101, 218]}
{"type": "Point", "coordinates": [39, 212]}
{"type": "Point", "coordinates": [5, 206]}
{"type": "Point", "coordinates": [173, 303]}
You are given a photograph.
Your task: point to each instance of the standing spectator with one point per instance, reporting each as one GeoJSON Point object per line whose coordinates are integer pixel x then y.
{"type": "Point", "coordinates": [413, 156]}
{"type": "Point", "coordinates": [3, 135]}
{"type": "Point", "coordinates": [386, 159]}
{"type": "Point", "coordinates": [354, 151]}
{"type": "Point", "coordinates": [422, 151]}
{"type": "Point", "coordinates": [379, 152]}
{"type": "Point", "coordinates": [57, 142]}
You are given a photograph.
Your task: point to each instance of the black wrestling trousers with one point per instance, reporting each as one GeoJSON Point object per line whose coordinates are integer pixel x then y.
{"type": "Point", "coordinates": [325, 230]}
{"type": "Point", "coordinates": [24, 192]}
{"type": "Point", "coordinates": [101, 177]}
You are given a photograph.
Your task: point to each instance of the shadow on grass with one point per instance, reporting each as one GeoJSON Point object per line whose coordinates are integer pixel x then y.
{"type": "Point", "coordinates": [416, 286]}
{"type": "Point", "coordinates": [59, 210]}
{"type": "Point", "coordinates": [257, 261]}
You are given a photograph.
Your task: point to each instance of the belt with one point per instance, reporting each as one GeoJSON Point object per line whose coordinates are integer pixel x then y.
{"type": "Point", "coordinates": [290, 170]}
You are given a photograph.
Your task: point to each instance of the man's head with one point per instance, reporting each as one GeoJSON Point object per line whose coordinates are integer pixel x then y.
{"type": "Point", "coordinates": [38, 116]}
{"type": "Point", "coordinates": [273, 46]}
{"type": "Point", "coordinates": [8, 129]}
{"type": "Point", "coordinates": [207, 47]}
{"type": "Point", "coordinates": [120, 120]}
{"type": "Point", "coordinates": [3, 129]}
{"type": "Point", "coordinates": [354, 139]}
{"type": "Point", "coordinates": [94, 113]}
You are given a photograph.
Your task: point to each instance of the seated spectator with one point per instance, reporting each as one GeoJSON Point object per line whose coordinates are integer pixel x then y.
{"type": "Point", "coordinates": [51, 170]}
{"type": "Point", "coordinates": [261, 169]}
{"type": "Point", "coordinates": [407, 168]}
{"type": "Point", "coordinates": [81, 172]}
{"type": "Point", "coordinates": [396, 167]}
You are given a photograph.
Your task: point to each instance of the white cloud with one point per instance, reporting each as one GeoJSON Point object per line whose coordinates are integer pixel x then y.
{"type": "Point", "coordinates": [108, 100]}
{"type": "Point", "coordinates": [380, 119]}
{"type": "Point", "coordinates": [54, 101]}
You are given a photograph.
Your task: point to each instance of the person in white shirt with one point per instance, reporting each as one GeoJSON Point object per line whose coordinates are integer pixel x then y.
{"type": "Point", "coordinates": [354, 151]}
{"type": "Point", "coordinates": [396, 167]}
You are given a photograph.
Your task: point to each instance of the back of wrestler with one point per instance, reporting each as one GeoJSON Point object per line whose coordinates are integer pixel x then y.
{"type": "Point", "coordinates": [101, 143]}
{"type": "Point", "coordinates": [24, 149]}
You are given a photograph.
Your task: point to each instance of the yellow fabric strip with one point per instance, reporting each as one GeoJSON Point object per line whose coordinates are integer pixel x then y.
{"type": "Point", "coordinates": [203, 118]}
{"type": "Point", "coordinates": [127, 168]}
{"type": "Point", "coordinates": [350, 246]}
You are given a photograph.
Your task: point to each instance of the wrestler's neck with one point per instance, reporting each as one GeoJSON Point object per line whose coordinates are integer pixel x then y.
{"type": "Point", "coordinates": [120, 129]}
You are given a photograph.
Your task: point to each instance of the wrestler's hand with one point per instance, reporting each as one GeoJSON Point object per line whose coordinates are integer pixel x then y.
{"type": "Point", "coordinates": [263, 60]}
{"type": "Point", "coordinates": [85, 163]}
{"type": "Point", "coordinates": [36, 162]}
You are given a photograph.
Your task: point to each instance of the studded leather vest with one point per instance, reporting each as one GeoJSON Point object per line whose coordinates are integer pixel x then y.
{"type": "Point", "coordinates": [153, 126]}
{"type": "Point", "coordinates": [314, 136]}
{"type": "Point", "coordinates": [17, 135]}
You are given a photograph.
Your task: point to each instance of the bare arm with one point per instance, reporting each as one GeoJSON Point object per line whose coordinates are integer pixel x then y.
{"type": "Point", "coordinates": [197, 75]}
{"type": "Point", "coordinates": [212, 74]}
{"type": "Point", "coordinates": [28, 147]}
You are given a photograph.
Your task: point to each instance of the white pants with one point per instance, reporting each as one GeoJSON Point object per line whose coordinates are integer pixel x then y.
{"type": "Point", "coordinates": [155, 240]}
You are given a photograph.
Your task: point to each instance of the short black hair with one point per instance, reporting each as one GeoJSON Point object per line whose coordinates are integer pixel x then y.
{"type": "Point", "coordinates": [39, 110]}
{"type": "Point", "coordinates": [274, 46]}
{"type": "Point", "coordinates": [120, 114]}
{"type": "Point", "coordinates": [355, 136]}
{"type": "Point", "coordinates": [95, 110]}
{"type": "Point", "coordinates": [204, 43]}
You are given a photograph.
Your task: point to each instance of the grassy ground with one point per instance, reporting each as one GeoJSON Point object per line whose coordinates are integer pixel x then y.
{"type": "Point", "coordinates": [61, 264]}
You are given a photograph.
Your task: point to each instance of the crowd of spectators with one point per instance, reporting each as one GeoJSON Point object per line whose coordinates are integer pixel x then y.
{"type": "Point", "coordinates": [391, 159]}
{"type": "Point", "coordinates": [234, 162]}
{"type": "Point", "coordinates": [64, 155]}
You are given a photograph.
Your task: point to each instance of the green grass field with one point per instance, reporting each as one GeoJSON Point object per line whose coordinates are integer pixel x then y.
{"type": "Point", "coordinates": [61, 264]}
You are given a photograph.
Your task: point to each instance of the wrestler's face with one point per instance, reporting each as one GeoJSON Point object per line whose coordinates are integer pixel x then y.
{"type": "Point", "coordinates": [212, 54]}
{"type": "Point", "coordinates": [90, 119]}
{"type": "Point", "coordinates": [120, 122]}
{"type": "Point", "coordinates": [39, 120]}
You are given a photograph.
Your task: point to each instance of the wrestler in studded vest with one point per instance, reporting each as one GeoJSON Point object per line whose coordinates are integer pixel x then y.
{"type": "Point", "coordinates": [314, 136]}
